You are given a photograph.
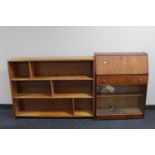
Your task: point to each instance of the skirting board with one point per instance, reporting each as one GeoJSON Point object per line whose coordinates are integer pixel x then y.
{"type": "Point", "coordinates": [8, 106]}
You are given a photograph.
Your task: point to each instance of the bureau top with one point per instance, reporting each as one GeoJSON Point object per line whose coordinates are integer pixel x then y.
{"type": "Point", "coordinates": [121, 53]}
{"type": "Point", "coordinates": [76, 58]}
{"type": "Point", "coordinates": [121, 63]}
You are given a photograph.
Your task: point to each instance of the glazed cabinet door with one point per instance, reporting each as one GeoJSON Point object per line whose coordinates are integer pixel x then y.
{"type": "Point", "coordinates": [120, 101]}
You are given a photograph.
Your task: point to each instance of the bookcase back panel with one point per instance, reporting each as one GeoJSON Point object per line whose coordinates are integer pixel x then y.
{"type": "Point", "coordinates": [73, 87]}
{"type": "Point", "coordinates": [33, 87]}
{"type": "Point", "coordinates": [83, 104]}
{"type": "Point", "coordinates": [62, 68]}
{"type": "Point", "coordinates": [45, 105]}
{"type": "Point", "coordinates": [20, 69]}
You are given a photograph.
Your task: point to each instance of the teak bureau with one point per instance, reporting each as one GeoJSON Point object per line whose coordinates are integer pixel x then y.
{"type": "Point", "coordinates": [121, 85]}
{"type": "Point", "coordinates": [107, 86]}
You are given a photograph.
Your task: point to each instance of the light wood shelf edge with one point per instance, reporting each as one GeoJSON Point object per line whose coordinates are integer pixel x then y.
{"type": "Point", "coordinates": [33, 59]}
{"type": "Point", "coordinates": [51, 97]}
{"type": "Point", "coordinates": [56, 78]}
{"type": "Point", "coordinates": [53, 114]}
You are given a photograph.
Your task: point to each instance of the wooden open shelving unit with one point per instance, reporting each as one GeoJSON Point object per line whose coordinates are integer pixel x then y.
{"type": "Point", "coordinates": [52, 87]}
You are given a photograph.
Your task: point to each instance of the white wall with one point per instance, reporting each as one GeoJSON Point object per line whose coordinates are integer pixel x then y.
{"type": "Point", "coordinates": [68, 41]}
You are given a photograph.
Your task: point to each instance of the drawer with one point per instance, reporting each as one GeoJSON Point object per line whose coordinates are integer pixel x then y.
{"type": "Point", "coordinates": [122, 79]}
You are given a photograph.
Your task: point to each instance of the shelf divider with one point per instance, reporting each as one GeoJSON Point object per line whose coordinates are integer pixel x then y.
{"type": "Point", "coordinates": [31, 70]}
{"type": "Point", "coordinates": [73, 106]}
{"type": "Point", "coordinates": [52, 88]}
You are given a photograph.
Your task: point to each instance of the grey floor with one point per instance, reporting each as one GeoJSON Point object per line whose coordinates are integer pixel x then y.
{"type": "Point", "coordinates": [7, 121]}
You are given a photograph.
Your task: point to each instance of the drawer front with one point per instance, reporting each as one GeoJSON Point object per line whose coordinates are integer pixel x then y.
{"type": "Point", "coordinates": [124, 79]}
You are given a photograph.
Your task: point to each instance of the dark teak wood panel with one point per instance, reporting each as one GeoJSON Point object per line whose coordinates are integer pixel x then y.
{"type": "Point", "coordinates": [73, 87]}
{"type": "Point", "coordinates": [18, 69]}
{"type": "Point", "coordinates": [121, 64]}
{"type": "Point", "coordinates": [63, 68]}
{"type": "Point", "coordinates": [122, 79]}
{"type": "Point", "coordinates": [33, 87]}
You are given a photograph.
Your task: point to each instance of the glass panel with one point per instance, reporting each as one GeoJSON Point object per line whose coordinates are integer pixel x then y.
{"type": "Point", "coordinates": [120, 99]}
{"type": "Point", "coordinates": [118, 105]}
{"type": "Point", "coordinates": [120, 89]}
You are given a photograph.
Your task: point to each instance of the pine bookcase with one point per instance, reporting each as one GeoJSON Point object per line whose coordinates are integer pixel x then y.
{"type": "Point", "coordinates": [52, 87]}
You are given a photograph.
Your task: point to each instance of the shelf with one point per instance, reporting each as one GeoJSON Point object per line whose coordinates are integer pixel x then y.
{"type": "Point", "coordinates": [119, 95]}
{"type": "Point", "coordinates": [55, 78]}
{"type": "Point", "coordinates": [72, 95]}
{"type": "Point", "coordinates": [83, 114]}
{"type": "Point", "coordinates": [115, 94]}
{"type": "Point", "coordinates": [77, 95]}
{"type": "Point", "coordinates": [31, 59]}
{"type": "Point", "coordinates": [44, 114]}
{"type": "Point", "coordinates": [25, 95]}
{"type": "Point", "coordinates": [54, 114]}
{"type": "Point", "coordinates": [119, 111]}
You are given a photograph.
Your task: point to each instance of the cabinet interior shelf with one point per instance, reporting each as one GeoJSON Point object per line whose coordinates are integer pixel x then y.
{"type": "Point", "coordinates": [119, 95]}
{"type": "Point", "coordinates": [120, 111]}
